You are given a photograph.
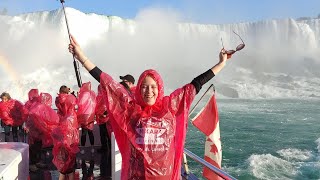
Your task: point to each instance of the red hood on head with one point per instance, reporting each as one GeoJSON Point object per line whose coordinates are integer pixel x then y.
{"type": "Point", "coordinates": [46, 99]}
{"type": "Point", "coordinates": [156, 76]}
{"type": "Point", "coordinates": [65, 103]}
{"type": "Point", "coordinates": [33, 95]}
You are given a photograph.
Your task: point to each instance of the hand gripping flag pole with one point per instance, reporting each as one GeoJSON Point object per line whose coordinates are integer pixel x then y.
{"type": "Point", "coordinates": [75, 63]}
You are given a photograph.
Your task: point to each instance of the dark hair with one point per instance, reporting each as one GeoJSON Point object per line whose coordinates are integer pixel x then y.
{"type": "Point", "coordinates": [64, 89]}
{"type": "Point", "coordinates": [128, 78]}
{"type": "Point", "coordinates": [125, 86]}
{"type": "Point", "coordinates": [5, 94]}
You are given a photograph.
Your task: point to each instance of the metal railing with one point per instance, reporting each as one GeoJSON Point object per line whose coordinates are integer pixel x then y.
{"type": "Point", "coordinates": [216, 170]}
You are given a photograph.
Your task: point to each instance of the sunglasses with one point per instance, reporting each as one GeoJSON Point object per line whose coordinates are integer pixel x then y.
{"type": "Point", "coordinates": [238, 48]}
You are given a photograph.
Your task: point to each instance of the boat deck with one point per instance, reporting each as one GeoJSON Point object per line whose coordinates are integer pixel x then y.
{"type": "Point", "coordinates": [88, 165]}
{"type": "Point", "coordinates": [92, 165]}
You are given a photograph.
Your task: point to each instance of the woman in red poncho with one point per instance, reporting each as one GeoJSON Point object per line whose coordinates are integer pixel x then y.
{"type": "Point", "coordinates": [102, 120]}
{"type": "Point", "coordinates": [12, 116]}
{"type": "Point", "coordinates": [152, 126]}
{"type": "Point", "coordinates": [34, 134]}
{"type": "Point", "coordinates": [66, 137]}
{"type": "Point", "coordinates": [86, 102]}
{"type": "Point", "coordinates": [41, 120]}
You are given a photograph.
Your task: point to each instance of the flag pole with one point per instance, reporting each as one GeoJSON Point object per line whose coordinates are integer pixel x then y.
{"type": "Point", "coordinates": [194, 107]}
{"type": "Point", "coordinates": [75, 63]}
{"type": "Point", "coordinates": [184, 158]}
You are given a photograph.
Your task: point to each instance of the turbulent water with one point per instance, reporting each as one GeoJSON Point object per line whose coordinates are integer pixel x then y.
{"type": "Point", "coordinates": [266, 139]}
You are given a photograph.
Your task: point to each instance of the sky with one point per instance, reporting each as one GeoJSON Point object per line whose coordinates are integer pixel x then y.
{"type": "Point", "coordinates": [198, 11]}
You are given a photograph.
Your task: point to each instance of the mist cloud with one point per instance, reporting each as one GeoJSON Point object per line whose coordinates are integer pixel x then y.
{"type": "Point", "coordinates": [280, 55]}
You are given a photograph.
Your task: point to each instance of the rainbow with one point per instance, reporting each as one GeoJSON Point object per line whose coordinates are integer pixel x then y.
{"type": "Point", "coordinates": [12, 74]}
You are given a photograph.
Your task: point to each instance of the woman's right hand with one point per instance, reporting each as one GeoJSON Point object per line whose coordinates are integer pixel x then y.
{"type": "Point", "coordinates": [75, 50]}
{"type": "Point", "coordinates": [223, 56]}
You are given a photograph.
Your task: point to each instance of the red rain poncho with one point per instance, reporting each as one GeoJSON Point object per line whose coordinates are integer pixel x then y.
{"type": "Point", "coordinates": [33, 98]}
{"type": "Point", "coordinates": [133, 90]}
{"type": "Point", "coordinates": [66, 135]}
{"type": "Point", "coordinates": [101, 108]}
{"type": "Point", "coordinates": [112, 126]}
{"type": "Point", "coordinates": [154, 136]}
{"type": "Point", "coordinates": [12, 112]}
{"type": "Point", "coordinates": [33, 133]}
{"type": "Point", "coordinates": [44, 118]}
{"type": "Point", "coordinates": [86, 106]}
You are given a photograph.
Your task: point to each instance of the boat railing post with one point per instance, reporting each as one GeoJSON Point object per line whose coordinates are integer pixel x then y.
{"type": "Point", "coordinates": [185, 164]}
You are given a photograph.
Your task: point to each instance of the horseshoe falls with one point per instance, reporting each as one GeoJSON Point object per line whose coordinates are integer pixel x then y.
{"type": "Point", "coordinates": [267, 95]}
{"type": "Point", "coordinates": [280, 60]}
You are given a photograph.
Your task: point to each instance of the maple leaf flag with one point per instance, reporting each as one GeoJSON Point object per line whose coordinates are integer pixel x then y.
{"type": "Point", "coordinates": [207, 121]}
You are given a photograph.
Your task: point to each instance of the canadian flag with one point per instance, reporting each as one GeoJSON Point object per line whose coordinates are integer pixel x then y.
{"type": "Point", "coordinates": [207, 121]}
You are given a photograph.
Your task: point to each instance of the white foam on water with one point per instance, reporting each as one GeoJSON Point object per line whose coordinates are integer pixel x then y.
{"type": "Point", "coordinates": [267, 166]}
{"type": "Point", "coordinates": [295, 154]}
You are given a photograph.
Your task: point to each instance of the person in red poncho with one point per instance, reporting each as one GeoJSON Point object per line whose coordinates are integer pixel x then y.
{"type": "Point", "coordinates": [86, 102]}
{"type": "Point", "coordinates": [66, 137]}
{"type": "Point", "coordinates": [34, 135]}
{"type": "Point", "coordinates": [128, 82]}
{"type": "Point", "coordinates": [153, 126]}
{"type": "Point", "coordinates": [101, 117]}
{"type": "Point", "coordinates": [12, 116]}
{"type": "Point", "coordinates": [41, 119]}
